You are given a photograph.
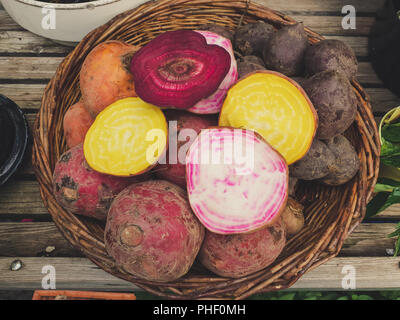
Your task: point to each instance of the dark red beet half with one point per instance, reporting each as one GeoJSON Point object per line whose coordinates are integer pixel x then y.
{"type": "Point", "coordinates": [178, 69]}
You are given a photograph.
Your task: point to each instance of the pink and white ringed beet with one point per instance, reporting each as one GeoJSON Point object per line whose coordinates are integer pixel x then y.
{"type": "Point", "coordinates": [236, 182]}
{"type": "Point", "coordinates": [177, 69]}
{"type": "Point", "coordinates": [213, 103]}
{"type": "Point", "coordinates": [81, 190]}
{"type": "Point", "coordinates": [152, 233]}
{"type": "Point", "coordinates": [239, 255]}
{"type": "Point", "coordinates": [181, 136]}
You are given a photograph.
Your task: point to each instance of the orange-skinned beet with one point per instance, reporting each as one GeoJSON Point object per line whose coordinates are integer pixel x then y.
{"type": "Point", "coordinates": [235, 256]}
{"type": "Point", "coordinates": [105, 77]}
{"type": "Point", "coordinates": [81, 190]}
{"type": "Point", "coordinates": [151, 231]}
{"type": "Point", "coordinates": [77, 121]}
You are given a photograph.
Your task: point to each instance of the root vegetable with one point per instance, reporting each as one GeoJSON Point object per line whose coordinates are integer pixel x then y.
{"type": "Point", "coordinates": [346, 163]}
{"type": "Point", "coordinates": [331, 55]}
{"type": "Point", "coordinates": [174, 168]}
{"type": "Point", "coordinates": [105, 77]}
{"type": "Point", "coordinates": [285, 50]}
{"type": "Point", "coordinates": [250, 39]}
{"type": "Point", "coordinates": [334, 99]}
{"type": "Point", "coordinates": [127, 138]}
{"type": "Point", "coordinates": [213, 103]}
{"type": "Point", "coordinates": [293, 217]}
{"type": "Point", "coordinates": [177, 69]}
{"type": "Point", "coordinates": [245, 68]}
{"type": "Point", "coordinates": [77, 121]}
{"type": "Point", "coordinates": [152, 233]}
{"type": "Point", "coordinates": [316, 164]}
{"type": "Point", "coordinates": [254, 60]}
{"type": "Point", "coordinates": [215, 28]}
{"type": "Point", "coordinates": [275, 107]}
{"type": "Point", "coordinates": [239, 255]}
{"type": "Point", "coordinates": [81, 190]}
{"type": "Point", "coordinates": [236, 182]}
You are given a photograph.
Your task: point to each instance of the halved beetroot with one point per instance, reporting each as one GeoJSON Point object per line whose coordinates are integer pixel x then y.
{"type": "Point", "coordinates": [213, 103]}
{"type": "Point", "coordinates": [178, 68]}
{"type": "Point", "coordinates": [236, 182]}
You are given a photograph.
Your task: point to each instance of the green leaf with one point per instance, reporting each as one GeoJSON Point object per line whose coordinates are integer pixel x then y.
{"type": "Point", "coordinates": [288, 296]}
{"type": "Point", "coordinates": [393, 161]}
{"type": "Point", "coordinates": [390, 149]}
{"type": "Point", "coordinates": [361, 297]}
{"type": "Point", "coordinates": [391, 132]}
{"type": "Point", "coordinates": [375, 205]}
{"type": "Point", "coordinates": [343, 298]}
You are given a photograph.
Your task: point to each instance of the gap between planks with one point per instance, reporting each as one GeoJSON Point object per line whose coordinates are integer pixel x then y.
{"type": "Point", "coordinates": [31, 239]}
{"type": "Point", "coordinates": [80, 273]}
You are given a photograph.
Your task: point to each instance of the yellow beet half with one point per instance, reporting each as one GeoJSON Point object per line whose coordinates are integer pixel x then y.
{"type": "Point", "coordinates": [127, 138]}
{"type": "Point", "coordinates": [277, 108]}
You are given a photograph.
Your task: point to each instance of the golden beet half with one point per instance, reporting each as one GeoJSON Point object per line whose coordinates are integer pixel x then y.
{"type": "Point", "coordinates": [127, 138]}
{"type": "Point", "coordinates": [277, 108]}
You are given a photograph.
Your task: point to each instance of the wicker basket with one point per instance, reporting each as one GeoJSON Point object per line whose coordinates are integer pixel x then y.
{"type": "Point", "coordinates": [332, 213]}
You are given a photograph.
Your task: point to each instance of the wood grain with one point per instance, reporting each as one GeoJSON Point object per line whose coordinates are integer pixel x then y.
{"type": "Point", "coordinates": [23, 197]}
{"type": "Point", "coordinates": [74, 273]}
{"type": "Point", "coordinates": [34, 239]}
{"type": "Point", "coordinates": [30, 239]}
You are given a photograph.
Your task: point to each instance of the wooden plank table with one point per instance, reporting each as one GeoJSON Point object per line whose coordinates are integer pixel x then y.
{"type": "Point", "coordinates": [27, 62]}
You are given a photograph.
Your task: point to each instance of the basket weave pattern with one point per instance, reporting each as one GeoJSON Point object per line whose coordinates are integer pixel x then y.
{"type": "Point", "coordinates": [332, 213]}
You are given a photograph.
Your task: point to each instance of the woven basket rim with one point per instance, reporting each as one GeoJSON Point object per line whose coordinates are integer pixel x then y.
{"type": "Point", "coordinates": [350, 201]}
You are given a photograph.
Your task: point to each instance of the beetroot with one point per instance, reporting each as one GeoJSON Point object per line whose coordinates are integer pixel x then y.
{"type": "Point", "coordinates": [81, 190]}
{"type": "Point", "coordinates": [152, 233]}
{"type": "Point", "coordinates": [239, 255]}
{"type": "Point", "coordinates": [173, 168]}
{"type": "Point", "coordinates": [237, 183]}
{"type": "Point", "coordinates": [213, 103]}
{"type": "Point", "coordinates": [178, 68]}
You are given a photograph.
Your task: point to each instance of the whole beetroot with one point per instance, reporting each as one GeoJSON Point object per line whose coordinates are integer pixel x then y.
{"type": "Point", "coordinates": [249, 64]}
{"type": "Point", "coordinates": [183, 129]}
{"type": "Point", "coordinates": [81, 190]}
{"type": "Point", "coordinates": [238, 255]}
{"type": "Point", "coordinates": [250, 39]}
{"type": "Point", "coordinates": [285, 50]}
{"type": "Point", "coordinates": [331, 55]}
{"type": "Point", "coordinates": [316, 164]}
{"type": "Point", "coordinates": [346, 164]}
{"type": "Point", "coordinates": [335, 101]}
{"type": "Point", "coordinates": [151, 231]}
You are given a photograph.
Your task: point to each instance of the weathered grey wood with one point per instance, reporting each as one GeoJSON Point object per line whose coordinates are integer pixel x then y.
{"type": "Point", "coordinates": [27, 42]}
{"type": "Point", "coordinates": [21, 197]}
{"type": "Point", "coordinates": [382, 100]}
{"type": "Point", "coordinates": [27, 96]}
{"type": "Point", "coordinates": [369, 240]}
{"type": "Point", "coordinates": [34, 239]}
{"type": "Point", "coordinates": [332, 25]}
{"type": "Point", "coordinates": [28, 67]}
{"type": "Point", "coordinates": [370, 273]}
{"type": "Point", "coordinates": [80, 273]}
{"type": "Point", "coordinates": [391, 213]}
{"type": "Point", "coordinates": [71, 273]}
{"type": "Point", "coordinates": [314, 6]}
{"type": "Point", "coordinates": [7, 23]}
{"type": "Point", "coordinates": [30, 239]}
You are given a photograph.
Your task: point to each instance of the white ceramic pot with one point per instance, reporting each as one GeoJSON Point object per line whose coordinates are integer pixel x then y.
{"type": "Point", "coordinates": [65, 22]}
